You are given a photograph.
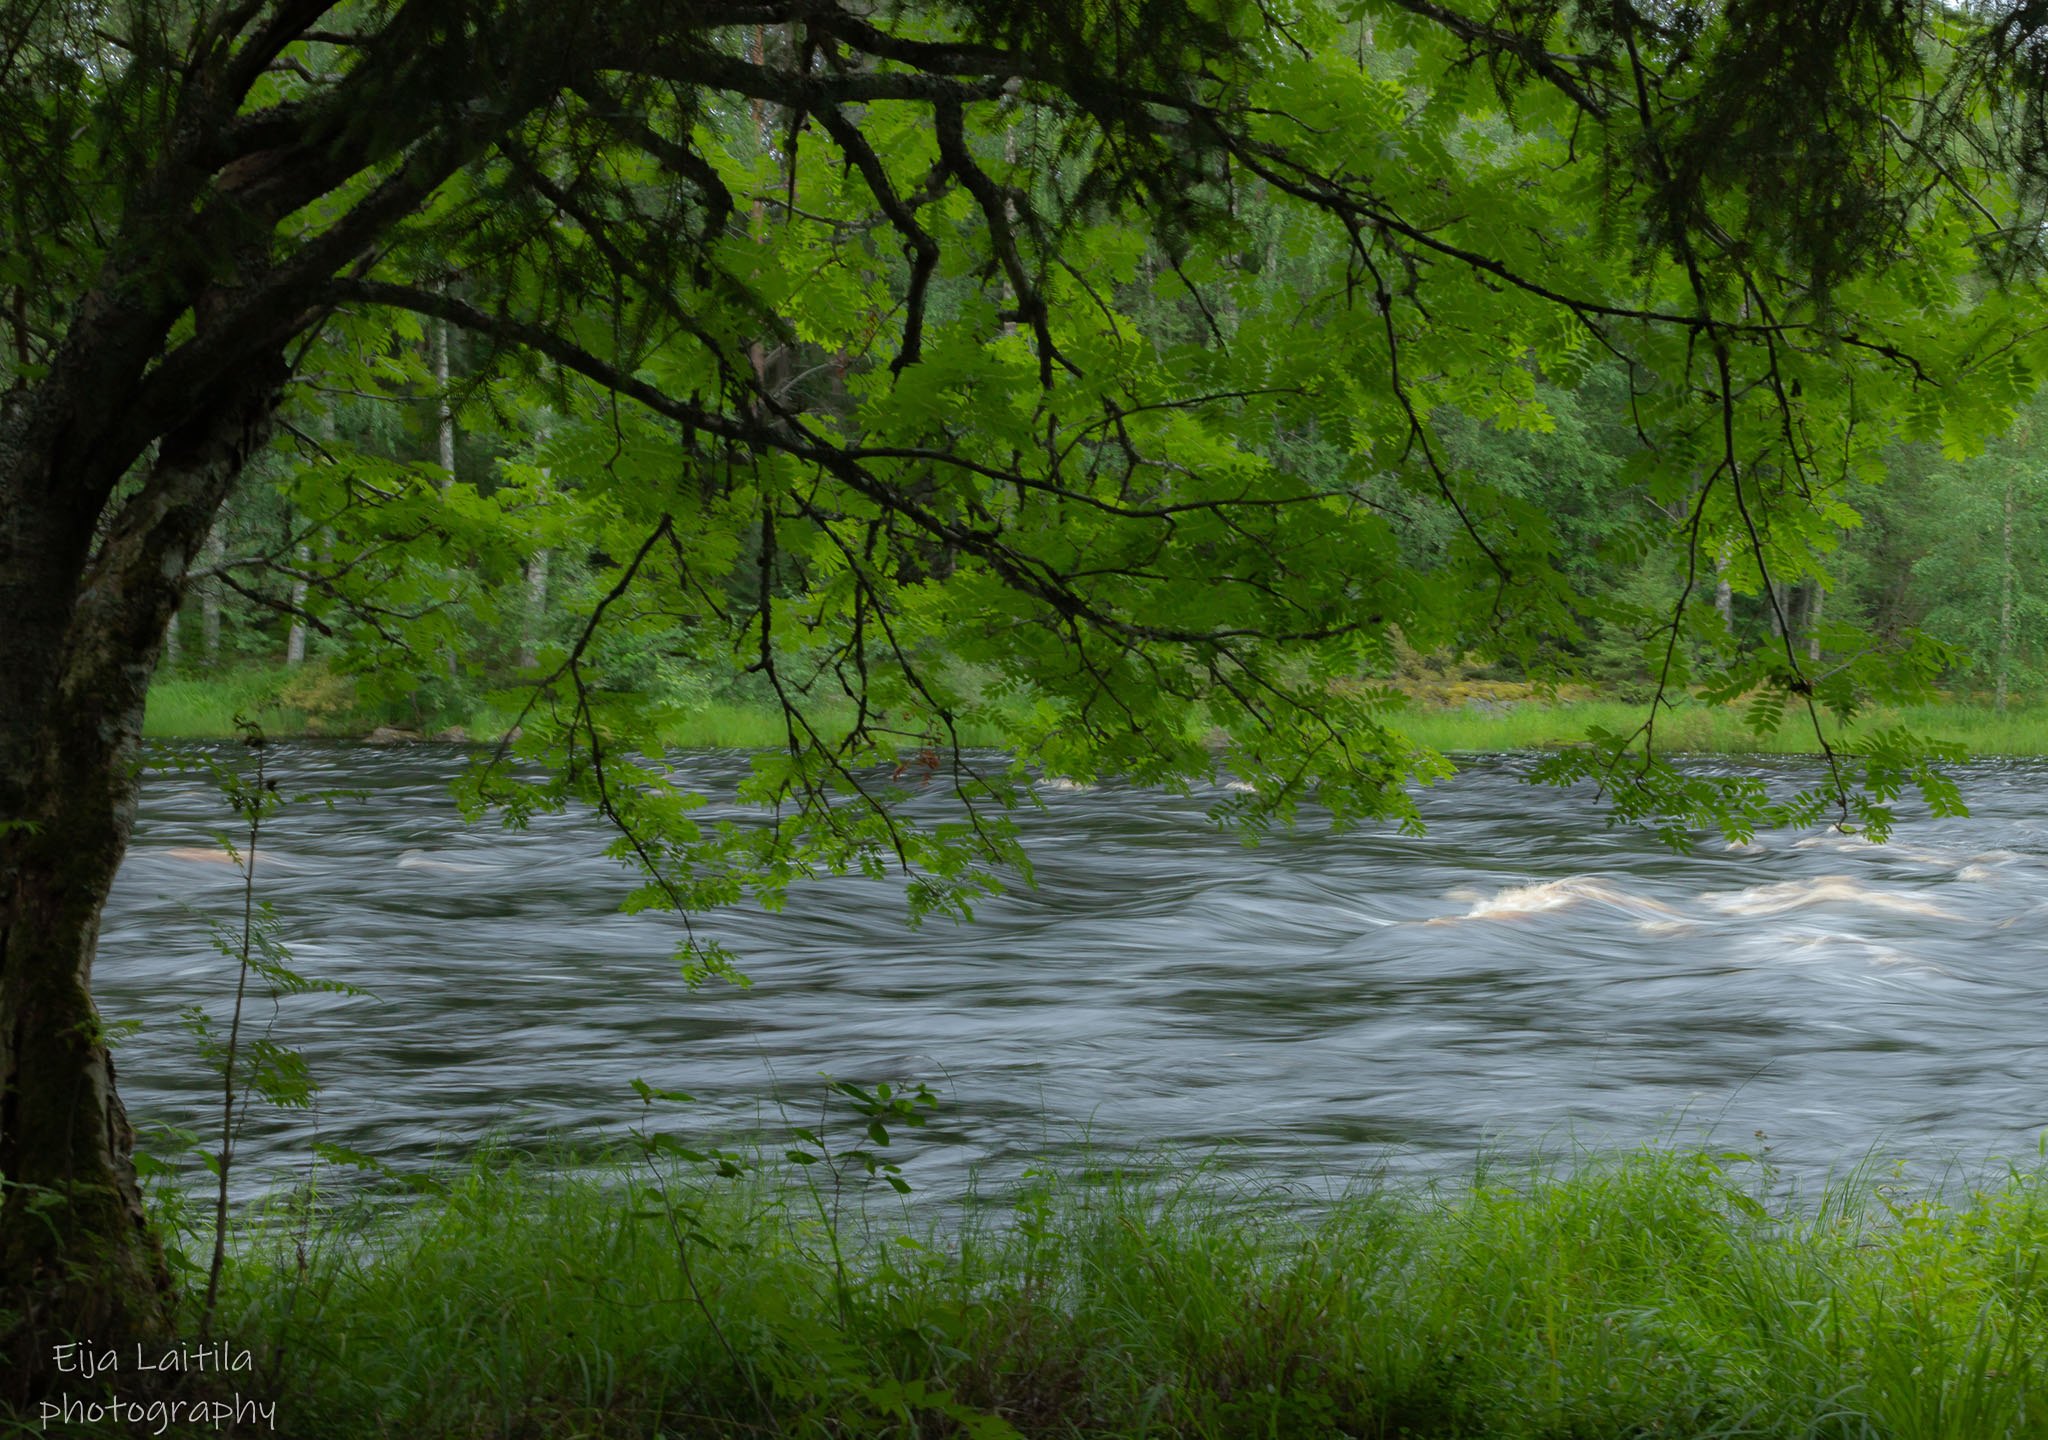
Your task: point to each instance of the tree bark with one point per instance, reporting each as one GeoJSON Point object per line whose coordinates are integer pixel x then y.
{"type": "Point", "coordinates": [444, 429]}
{"type": "Point", "coordinates": [295, 638]}
{"type": "Point", "coordinates": [536, 609]}
{"type": "Point", "coordinates": [2005, 577]}
{"type": "Point", "coordinates": [78, 1259]}
{"type": "Point", "coordinates": [176, 342]}
{"type": "Point", "coordinates": [214, 553]}
{"type": "Point", "coordinates": [444, 414]}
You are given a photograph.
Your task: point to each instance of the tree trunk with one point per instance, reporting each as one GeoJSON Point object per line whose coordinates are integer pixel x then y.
{"type": "Point", "coordinates": [2005, 600]}
{"type": "Point", "coordinates": [444, 414]}
{"type": "Point", "coordinates": [214, 554]}
{"type": "Point", "coordinates": [536, 608]}
{"type": "Point", "coordinates": [1813, 609]}
{"type": "Point", "coordinates": [177, 341]}
{"type": "Point", "coordinates": [295, 638]}
{"type": "Point", "coordinates": [78, 1259]}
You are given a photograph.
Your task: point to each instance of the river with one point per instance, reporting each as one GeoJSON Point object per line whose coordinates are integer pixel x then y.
{"type": "Point", "coordinates": [1329, 1007]}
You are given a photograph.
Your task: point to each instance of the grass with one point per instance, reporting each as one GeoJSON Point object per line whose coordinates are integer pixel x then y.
{"type": "Point", "coordinates": [1661, 1293]}
{"type": "Point", "coordinates": [312, 702]}
{"type": "Point", "coordinates": [2019, 730]}
{"type": "Point", "coordinates": [289, 705]}
{"type": "Point", "coordinates": [204, 708]}
{"type": "Point", "coordinates": [757, 727]}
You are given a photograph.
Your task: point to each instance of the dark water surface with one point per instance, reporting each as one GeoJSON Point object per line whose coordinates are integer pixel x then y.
{"type": "Point", "coordinates": [1519, 976]}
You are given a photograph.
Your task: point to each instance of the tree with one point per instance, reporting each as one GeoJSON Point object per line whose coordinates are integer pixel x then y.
{"type": "Point", "coordinates": [832, 315]}
{"type": "Point", "coordinates": [1978, 529]}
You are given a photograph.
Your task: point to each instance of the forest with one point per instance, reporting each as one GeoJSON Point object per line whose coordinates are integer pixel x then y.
{"type": "Point", "coordinates": [947, 403]}
{"type": "Point", "coordinates": [1948, 546]}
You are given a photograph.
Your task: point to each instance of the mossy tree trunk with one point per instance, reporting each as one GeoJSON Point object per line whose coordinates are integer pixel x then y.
{"type": "Point", "coordinates": [87, 613]}
{"type": "Point", "coordinates": [162, 371]}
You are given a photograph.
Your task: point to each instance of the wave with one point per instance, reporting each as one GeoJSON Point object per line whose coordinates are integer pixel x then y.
{"type": "Point", "coordinates": [424, 860]}
{"type": "Point", "coordinates": [1821, 890]}
{"type": "Point", "coordinates": [1525, 900]}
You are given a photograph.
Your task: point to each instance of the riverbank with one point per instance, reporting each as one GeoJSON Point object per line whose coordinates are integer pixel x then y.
{"type": "Point", "coordinates": [313, 704]}
{"type": "Point", "coordinates": [1661, 1293]}
{"type": "Point", "coordinates": [1702, 729]}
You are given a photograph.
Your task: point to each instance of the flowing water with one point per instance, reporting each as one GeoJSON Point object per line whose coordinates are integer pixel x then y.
{"type": "Point", "coordinates": [1519, 977]}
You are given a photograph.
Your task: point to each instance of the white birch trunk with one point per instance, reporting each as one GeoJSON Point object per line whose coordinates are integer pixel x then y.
{"type": "Point", "coordinates": [211, 556]}
{"type": "Point", "coordinates": [295, 638]}
{"type": "Point", "coordinates": [536, 608]}
{"type": "Point", "coordinates": [446, 415]}
{"type": "Point", "coordinates": [438, 338]}
{"type": "Point", "coordinates": [2005, 578]}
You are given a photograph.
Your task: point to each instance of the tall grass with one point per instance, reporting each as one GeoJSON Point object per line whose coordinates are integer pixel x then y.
{"type": "Point", "coordinates": [1661, 1293]}
{"type": "Point", "coordinates": [204, 708]}
{"type": "Point", "coordinates": [289, 703]}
